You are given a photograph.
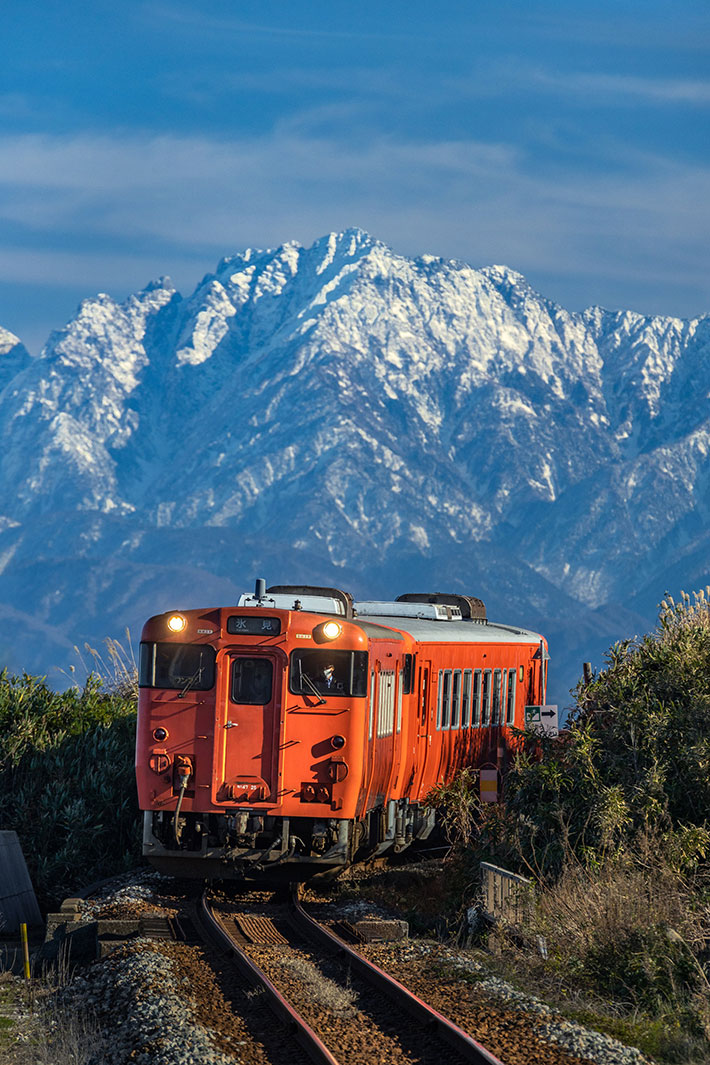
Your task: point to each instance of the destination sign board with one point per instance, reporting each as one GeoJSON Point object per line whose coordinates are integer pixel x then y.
{"type": "Point", "coordinates": [253, 626]}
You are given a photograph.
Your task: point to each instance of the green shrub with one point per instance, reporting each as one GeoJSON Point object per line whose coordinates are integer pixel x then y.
{"type": "Point", "coordinates": [67, 783]}
{"type": "Point", "coordinates": [635, 755]}
{"type": "Point", "coordinates": [612, 821]}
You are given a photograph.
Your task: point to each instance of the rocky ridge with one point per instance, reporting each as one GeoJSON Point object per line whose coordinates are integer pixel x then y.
{"type": "Point", "coordinates": [342, 414]}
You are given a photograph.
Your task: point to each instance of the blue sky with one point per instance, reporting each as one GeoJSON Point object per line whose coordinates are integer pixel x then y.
{"type": "Point", "coordinates": [569, 141]}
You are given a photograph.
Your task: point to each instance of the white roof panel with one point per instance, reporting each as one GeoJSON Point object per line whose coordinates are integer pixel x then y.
{"type": "Point", "coordinates": [457, 631]}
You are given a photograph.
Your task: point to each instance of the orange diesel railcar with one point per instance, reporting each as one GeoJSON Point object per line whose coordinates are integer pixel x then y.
{"type": "Point", "coordinates": [299, 732]}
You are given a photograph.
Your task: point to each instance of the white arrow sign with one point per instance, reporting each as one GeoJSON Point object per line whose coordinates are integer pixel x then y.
{"type": "Point", "coordinates": [542, 719]}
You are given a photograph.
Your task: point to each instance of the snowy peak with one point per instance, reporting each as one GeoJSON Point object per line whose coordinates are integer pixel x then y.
{"type": "Point", "coordinates": [14, 357]}
{"type": "Point", "coordinates": [347, 405]}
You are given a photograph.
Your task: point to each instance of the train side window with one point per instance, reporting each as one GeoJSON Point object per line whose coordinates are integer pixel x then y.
{"type": "Point", "coordinates": [497, 681]}
{"type": "Point", "coordinates": [385, 704]}
{"type": "Point", "coordinates": [423, 676]}
{"type": "Point", "coordinates": [510, 708]}
{"type": "Point", "coordinates": [476, 701]}
{"type": "Point", "coordinates": [466, 699]}
{"type": "Point", "coordinates": [456, 698]}
{"type": "Point", "coordinates": [372, 701]}
{"type": "Point", "coordinates": [486, 698]}
{"type": "Point", "coordinates": [410, 662]}
{"type": "Point", "coordinates": [446, 699]}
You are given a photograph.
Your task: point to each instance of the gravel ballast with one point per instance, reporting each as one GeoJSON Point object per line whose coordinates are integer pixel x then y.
{"type": "Point", "coordinates": [157, 1002]}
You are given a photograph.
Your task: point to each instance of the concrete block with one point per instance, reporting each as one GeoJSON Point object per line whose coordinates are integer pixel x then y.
{"type": "Point", "coordinates": [377, 930]}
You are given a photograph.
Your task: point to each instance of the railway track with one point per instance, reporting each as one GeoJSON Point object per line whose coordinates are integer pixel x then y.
{"type": "Point", "coordinates": [341, 1008]}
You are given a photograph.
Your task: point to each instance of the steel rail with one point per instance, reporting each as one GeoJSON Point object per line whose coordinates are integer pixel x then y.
{"type": "Point", "coordinates": [302, 1032]}
{"type": "Point", "coordinates": [430, 1018]}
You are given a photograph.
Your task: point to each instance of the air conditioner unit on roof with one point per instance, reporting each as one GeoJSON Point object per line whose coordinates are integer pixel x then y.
{"type": "Point", "coordinates": [426, 611]}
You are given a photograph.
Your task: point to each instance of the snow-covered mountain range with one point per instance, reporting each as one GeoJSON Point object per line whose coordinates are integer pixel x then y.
{"type": "Point", "coordinates": [341, 414]}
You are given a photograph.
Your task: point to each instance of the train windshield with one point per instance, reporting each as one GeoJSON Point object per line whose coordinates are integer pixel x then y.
{"type": "Point", "coordinates": [177, 665]}
{"type": "Point", "coordinates": [328, 672]}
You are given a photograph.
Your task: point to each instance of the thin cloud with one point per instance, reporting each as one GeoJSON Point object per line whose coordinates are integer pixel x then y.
{"type": "Point", "coordinates": [147, 205]}
{"type": "Point", "coordinates": [627, 87]}
{"type": "Point", "coordinates": [193, 20]}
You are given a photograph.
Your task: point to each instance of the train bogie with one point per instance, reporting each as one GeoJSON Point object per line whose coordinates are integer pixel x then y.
{"type": "Point", "coordinates": [297, 732]}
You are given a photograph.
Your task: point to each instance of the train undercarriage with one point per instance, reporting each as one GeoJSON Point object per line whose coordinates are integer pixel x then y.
{"type": "Point", "coordinates": [248, 845]}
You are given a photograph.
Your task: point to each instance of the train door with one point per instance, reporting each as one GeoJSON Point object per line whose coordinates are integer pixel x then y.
{"type": "Point", "coordinates": [422, 735]}
{"type": "Point", "coordinates": [369, 740]}
{"type": "Point", "coordinates": [538, 676]}
{"type": "Point", "coordinates": [245, 741]}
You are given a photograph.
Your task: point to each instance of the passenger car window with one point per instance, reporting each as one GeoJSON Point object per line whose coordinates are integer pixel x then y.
{"type": "Point", "coordinates": [486, 698]}
{"type": "Point", "coordinates": [510, 712]}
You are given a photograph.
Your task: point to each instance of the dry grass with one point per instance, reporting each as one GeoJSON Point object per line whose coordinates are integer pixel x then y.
{"type": "Point", "coordinates": [57, 1038]}
{"type": "Point", "coordinates": [625, 943]}
{"type": "Point", "coordinates": [116, 666]}
{"type": "Point", "coordinates": [602, 905]}
{"type": "Point", "coordinates": [323, 991]}
{"type": "Point", "coordinates": [37, 1030]}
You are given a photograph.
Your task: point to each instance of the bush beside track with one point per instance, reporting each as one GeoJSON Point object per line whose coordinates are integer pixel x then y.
{"type": "Point", "coordinates": [66, 781]}
{"type": "Point", "coordinates": [612, 824]}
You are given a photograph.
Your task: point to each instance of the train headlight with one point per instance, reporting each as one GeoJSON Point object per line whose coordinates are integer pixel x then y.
{"type": "Point", "coordinates": [176, 623]}
{"type": "Point", "coordinates": [327, 631]}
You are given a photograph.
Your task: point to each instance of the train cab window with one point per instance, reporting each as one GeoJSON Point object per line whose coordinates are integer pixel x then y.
{"type": "Point", "coordinates": [177, 665]}
{"type": "Point", "coordinates": [456, 698]}
{"type": "Point", "coordinates": [466, 699]}
{"type": "Point", "coordinates": [476, 699]}
{"type": "Point", "coordinates": [372, 703]}
{"type": "Point", "coordinates": [486, 698]}
{"type": "Point", "coordinates": [324, 672]}
{"type": "Point", "coordinates": [252, 681]}
{"type": "Point", "coordinates": [510, 707]}
{"type": "Point", "coordinates": [497, 697]}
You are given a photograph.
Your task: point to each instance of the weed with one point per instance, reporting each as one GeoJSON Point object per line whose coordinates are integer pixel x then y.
{"type": "Point", "coordinates": [458, 807]}
{"type": "Point", "coordinates": [324, 991]}
{"type": "Point", "coordinates": [116, 666]}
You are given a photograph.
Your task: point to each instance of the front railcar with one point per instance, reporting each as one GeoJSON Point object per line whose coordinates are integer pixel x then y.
{"type": "Point", "coordinates": [252, 726]}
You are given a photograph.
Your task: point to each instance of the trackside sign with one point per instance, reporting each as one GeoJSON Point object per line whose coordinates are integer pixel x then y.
{"type": "Point", "coordinates": [489, 785]}
{"type": "Point", "coordinates": [542, 719]}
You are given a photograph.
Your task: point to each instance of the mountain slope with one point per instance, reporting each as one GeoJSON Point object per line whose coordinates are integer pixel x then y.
{"type": "Point", "coordinates": [343, 414]}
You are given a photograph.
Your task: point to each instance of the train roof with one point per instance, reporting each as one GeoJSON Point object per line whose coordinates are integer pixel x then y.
{"type": "Point", "coordinates": [428, 617]}
{"type": "Point", "coordinates": [425, 631]}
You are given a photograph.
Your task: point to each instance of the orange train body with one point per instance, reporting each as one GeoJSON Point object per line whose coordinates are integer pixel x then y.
{"type": "Point", "coordinates": [293, 734]}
